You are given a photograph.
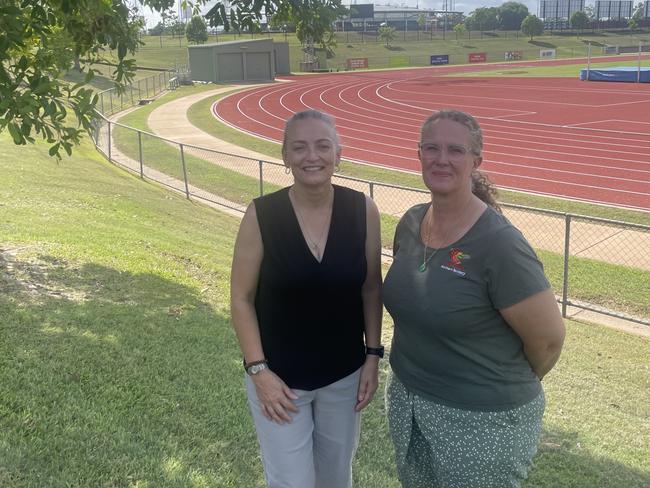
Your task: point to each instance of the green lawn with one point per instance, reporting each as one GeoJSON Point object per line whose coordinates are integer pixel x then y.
{"type": "Point", "coordinates": [411, 48]}
{"type": "Point", "coordinates": [118, 366]}
{"type": "Point", "coordinates": [568, 71]}
{"type": "Point", "coordinates": [164, 157]}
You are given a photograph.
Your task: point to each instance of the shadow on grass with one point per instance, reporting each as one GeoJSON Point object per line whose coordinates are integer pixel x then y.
{"type": "Point", "coordinates": [562, 461]}
{"type": "Point", "coordinates": [113, 378]}
{"type": "Point", "coordinates": [394, 48]}
{"type": "Point", "coordinates": [98, 82]}
{"type": "Point", "coordinates": [593, 43]}
{"type": "Point", "coordinates": [549, 45]}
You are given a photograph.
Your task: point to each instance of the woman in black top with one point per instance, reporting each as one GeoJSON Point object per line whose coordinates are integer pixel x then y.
{"type": "Point", "coordinates": [306, 307]}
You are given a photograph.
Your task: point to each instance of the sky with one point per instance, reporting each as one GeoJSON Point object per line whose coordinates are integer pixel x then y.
{"type": "Point", "coordinates": [465, 6]}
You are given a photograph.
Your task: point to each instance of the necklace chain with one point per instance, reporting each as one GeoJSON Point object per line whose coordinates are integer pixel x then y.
{"type": "Point", "coordinates": [315, 245]}
{"type": "Point", "coordinates": [425, 259]}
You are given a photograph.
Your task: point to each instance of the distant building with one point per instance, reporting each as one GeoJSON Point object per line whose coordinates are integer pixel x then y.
{"type": "Point", "coordinates": [369, 17]}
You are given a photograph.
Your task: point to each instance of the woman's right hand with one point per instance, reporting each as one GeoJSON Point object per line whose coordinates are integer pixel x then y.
{"type": "Point", "coordinates": [275, 397]}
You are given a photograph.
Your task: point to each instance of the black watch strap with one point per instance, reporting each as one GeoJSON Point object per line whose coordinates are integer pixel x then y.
{"type": "Point", "coordinates": [375, 351]}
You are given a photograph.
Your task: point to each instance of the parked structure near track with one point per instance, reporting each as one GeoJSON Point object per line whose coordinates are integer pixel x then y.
{"type": "Point", "coordinates": [239, 61]}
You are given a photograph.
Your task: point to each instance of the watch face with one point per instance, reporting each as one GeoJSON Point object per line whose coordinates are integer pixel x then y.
{"type": "Point", "coordinates": [256, 368]}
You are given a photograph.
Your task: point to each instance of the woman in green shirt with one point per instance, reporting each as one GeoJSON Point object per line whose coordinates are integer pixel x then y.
{"type": "Point", "coordinates": [476, 326]}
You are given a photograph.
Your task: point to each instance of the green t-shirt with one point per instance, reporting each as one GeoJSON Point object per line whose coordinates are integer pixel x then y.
{"type": "Point", "coordinates": [451, 345]}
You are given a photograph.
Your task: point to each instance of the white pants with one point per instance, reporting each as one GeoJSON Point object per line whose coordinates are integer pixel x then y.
{"type": "Point", "coordinates": [317, 447]}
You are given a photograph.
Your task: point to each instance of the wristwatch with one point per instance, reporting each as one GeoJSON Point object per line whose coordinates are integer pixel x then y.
{"type": "Point", "coordinates": [255, 367]}
{"type": "Point", "coordinates": [375, 351]}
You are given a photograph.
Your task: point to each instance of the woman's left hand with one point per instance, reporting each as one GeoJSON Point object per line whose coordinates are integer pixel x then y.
{"type": "Point", "coordinates": [368, 382]}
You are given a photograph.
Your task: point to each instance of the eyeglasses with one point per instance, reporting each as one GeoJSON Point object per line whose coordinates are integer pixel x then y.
{"type": "Point", "coordinates": [455, 152]}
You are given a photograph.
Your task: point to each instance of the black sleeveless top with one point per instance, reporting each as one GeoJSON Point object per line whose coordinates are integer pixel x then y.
{"type": "Point", "coordinates": [310, 314]}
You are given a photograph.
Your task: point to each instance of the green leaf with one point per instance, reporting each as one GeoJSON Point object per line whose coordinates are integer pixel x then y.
{"type": "Point", "coordinates": [16, 134]}
{"type": "Point", "coordinates": [121, 50]}
{"type": "Point", "coordinates": [23, 63]}
{"type": "Point", "coordinates": [54, 150]}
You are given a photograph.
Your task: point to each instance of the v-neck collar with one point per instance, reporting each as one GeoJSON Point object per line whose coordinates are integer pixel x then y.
{"type": "Point", "coordinates": [303, 237]}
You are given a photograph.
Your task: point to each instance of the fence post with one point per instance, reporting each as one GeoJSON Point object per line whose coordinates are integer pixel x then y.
{"type": "Point", "coordinates": [187, 188]}
{"type": "Point", "coordinates": [109, 140]}
{"type": "Point", "coordinates": [565, 278]}
{"type": "Point", "coordinates": [372, 190]}
{"type": "Point", "coordinates": [102, 103]}
{"type": "Point", "coordinates": [146, 87]}
{"type": "Point", "coordinates": [261, 163]}
{"type": "Point", "coordinates": [111, 99]}
{"type": "Point", "coordinates": [140, 154]}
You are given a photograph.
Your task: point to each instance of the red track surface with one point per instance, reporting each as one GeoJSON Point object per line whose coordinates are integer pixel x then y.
{"type": "Point", "coordinates": [555, 136]}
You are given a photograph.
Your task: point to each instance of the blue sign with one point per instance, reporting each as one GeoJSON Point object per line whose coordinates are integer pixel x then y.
{"type": "Point", "coordinates": [440, 59]}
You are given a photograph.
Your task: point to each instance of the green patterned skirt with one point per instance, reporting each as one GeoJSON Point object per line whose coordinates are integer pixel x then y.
{"type": "Point", "coordinates": [437, 446]}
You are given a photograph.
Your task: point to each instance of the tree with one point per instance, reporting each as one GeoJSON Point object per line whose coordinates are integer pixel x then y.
{"type": "Point", "coordinates": [579, 20]}
{"type": "Point", "coordinates": [177, 27]}
{"type": "Point", "coordinates": [313, 24]}
{"type": "Point", "coordinates": [511, 14]}
{"type": "Point", "coordinates": [387, 34]}
{"type": "Point", "coordinates": [459, 29]}
{"type": "Point", "coordinates": [422, 22]}
{"type": "Point", "coordinates": [247, 14]}
{"type": "Point", "coordinates": [197, 30]}
{"type": "Point", "coordinates": [590, 12]}
{"type": "Point", "coordinates": [639, 12]}
{"type": "Point", "coordinates": [165, 16]}
{"type": "Point", "coordinates": [483, 18]}
{"type": "Point", "coordinates": [532, 26]}
{"type": "Point", "coordinates": [157, 30]}
{"type": "Point", "coordinates": [632, 24]}
{"type": "Point", "coordinates": [35, 101]}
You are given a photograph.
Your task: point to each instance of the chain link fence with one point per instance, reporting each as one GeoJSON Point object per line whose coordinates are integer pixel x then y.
{"type": "Point", "coordinates": [593, 264]}
{"type": "Point", "coordinates": [115, 100]}
{"type": "Point", "coordinates": [492, 55]}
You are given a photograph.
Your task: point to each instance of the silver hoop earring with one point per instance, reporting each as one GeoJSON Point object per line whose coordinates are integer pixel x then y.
{"type": "Point", "coordinates": [287, 170]}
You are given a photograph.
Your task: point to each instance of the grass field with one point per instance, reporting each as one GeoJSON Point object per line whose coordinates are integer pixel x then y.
{"type": "Point", "coordinates": [118, 366]}
{"type": "Point", "coordinates": [567, 71]}
{"type": "Point", "coordinates": [167, 52]}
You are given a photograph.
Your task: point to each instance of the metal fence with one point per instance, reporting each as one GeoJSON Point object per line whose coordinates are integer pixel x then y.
{"type": "Point", "coordinates": [115, 100]}
{"type": "Point", "coordinates": [593, 264]}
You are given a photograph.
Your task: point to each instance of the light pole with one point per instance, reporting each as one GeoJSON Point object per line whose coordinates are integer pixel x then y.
{"type": "Point", "coordinates": [284, 28]}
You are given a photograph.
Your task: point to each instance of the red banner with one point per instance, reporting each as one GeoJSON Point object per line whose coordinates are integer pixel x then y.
{"type": "Point", "coordinates": [356, 63]}
{"type": "Point", "coordinates": [477, 58]}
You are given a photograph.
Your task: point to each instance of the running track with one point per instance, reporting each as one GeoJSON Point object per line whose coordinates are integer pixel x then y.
{"type": "Point", "coordinates": [555, 136]}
